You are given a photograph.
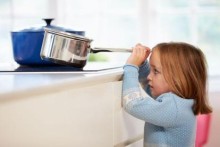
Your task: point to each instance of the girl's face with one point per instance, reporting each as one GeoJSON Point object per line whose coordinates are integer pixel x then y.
{"type": "Point", "coordinates": [156, 80]}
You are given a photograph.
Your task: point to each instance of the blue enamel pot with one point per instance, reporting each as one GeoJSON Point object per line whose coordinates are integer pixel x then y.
{"type": "Point", "coordinates": [27, 44]}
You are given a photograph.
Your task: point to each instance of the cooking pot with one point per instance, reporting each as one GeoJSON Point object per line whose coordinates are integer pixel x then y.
{"type": "Point", "coordinates": [27, 44]}
{"type": "Point", "coordinates": [69, 49]}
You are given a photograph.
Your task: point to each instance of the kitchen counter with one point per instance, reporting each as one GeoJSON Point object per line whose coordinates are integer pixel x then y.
{"type": "Point", "coordinates": [68, 109]}
{"type": "Point", "coordinates": [23, 83]}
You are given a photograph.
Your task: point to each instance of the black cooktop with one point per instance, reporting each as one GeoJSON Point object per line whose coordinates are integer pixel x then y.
{"type": "Point", "coordinates": [45, 69]}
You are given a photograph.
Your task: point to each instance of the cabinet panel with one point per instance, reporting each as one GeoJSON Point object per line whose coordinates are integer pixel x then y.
{"type": "Point", "coordinates": [89, 116]}
{"type": "Point", "coordinates": [127, 129]}
{"type": "Point", "coordinates": [74, 117]}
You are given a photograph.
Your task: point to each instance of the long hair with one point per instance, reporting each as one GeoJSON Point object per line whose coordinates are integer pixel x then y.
{"type": "Point", "coordinates": [185, 70]}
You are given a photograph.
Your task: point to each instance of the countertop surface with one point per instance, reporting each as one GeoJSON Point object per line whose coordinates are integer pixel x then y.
{"type": "Point", "coordinates": [20, 83]}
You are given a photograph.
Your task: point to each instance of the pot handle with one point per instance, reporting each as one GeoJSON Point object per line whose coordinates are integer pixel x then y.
{"type": "Point", "coordinates": [103, 49]}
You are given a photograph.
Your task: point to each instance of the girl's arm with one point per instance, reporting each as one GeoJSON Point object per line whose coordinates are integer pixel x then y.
{"type": "Point", "coordinates": [138, 58]}
{"type": "Point", "coordinates": [160, 112]}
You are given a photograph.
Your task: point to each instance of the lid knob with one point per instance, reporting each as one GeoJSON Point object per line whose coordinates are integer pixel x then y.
{"type": "Point", "coordinates": [48, 21]}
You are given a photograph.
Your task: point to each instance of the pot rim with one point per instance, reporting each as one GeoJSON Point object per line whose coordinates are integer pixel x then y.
{"type": "Point", "coordinates": [66, 34]}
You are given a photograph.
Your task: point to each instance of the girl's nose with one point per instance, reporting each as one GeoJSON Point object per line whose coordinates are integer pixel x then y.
{"type": "Point", "coordinates": [149, 77]}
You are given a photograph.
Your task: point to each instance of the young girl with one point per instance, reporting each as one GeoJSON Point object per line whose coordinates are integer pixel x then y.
{"type": "Point", "coordinates": [175, 80]}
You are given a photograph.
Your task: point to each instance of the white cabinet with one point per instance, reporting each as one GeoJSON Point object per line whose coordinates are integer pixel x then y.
{"type": "Point", "coordinates": [127, 129]}
{"type": "Point", "coordinates": [89, 116]}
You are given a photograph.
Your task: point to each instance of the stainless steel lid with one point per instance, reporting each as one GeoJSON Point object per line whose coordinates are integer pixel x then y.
{"type": "Point", "coordinates": [66, 34]}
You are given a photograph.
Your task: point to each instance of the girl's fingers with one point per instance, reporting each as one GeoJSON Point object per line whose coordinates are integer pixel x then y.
{"type": "Point", "coordinates": [139, 54]}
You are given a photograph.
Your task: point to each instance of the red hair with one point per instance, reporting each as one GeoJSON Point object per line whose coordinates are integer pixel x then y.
{"type": "Point", "coordinates": [185, 70]}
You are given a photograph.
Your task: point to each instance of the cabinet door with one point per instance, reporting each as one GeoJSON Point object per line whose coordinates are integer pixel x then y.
{"type": "Point", "coordinates": [128, 130]}
{"type": "Point", "coordinates": [90, 116]}
{"type": "Point", "coordinates": [68, 117]}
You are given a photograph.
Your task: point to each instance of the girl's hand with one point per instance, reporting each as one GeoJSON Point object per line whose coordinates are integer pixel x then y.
{"type": "Point", "coordinates": [139, 55]}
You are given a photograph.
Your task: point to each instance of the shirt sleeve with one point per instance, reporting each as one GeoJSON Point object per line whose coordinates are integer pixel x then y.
{"type": "Point", "coordinates": [144, 71]}
{"type": "Point", "coordinates": [139, 104]}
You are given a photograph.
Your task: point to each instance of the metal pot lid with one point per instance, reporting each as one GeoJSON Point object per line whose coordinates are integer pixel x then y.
{"type": "Point", "coordinates": [48, 25]}
{"type": "Point", "coordinates": [66, 34]}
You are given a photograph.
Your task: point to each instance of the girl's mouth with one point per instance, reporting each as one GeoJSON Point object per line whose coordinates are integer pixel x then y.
{"type": "Point", "coordinates": [150, 86]}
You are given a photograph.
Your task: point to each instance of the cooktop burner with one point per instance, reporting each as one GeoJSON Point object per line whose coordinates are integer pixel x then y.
{"type": "Point", "coordinates": [59, 68]}
{"type": "Point", "coordinates": [45, 69]}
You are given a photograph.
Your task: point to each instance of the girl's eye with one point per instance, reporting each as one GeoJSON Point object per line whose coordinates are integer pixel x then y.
{"type": "Point", "coordinates": [156, 71]}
